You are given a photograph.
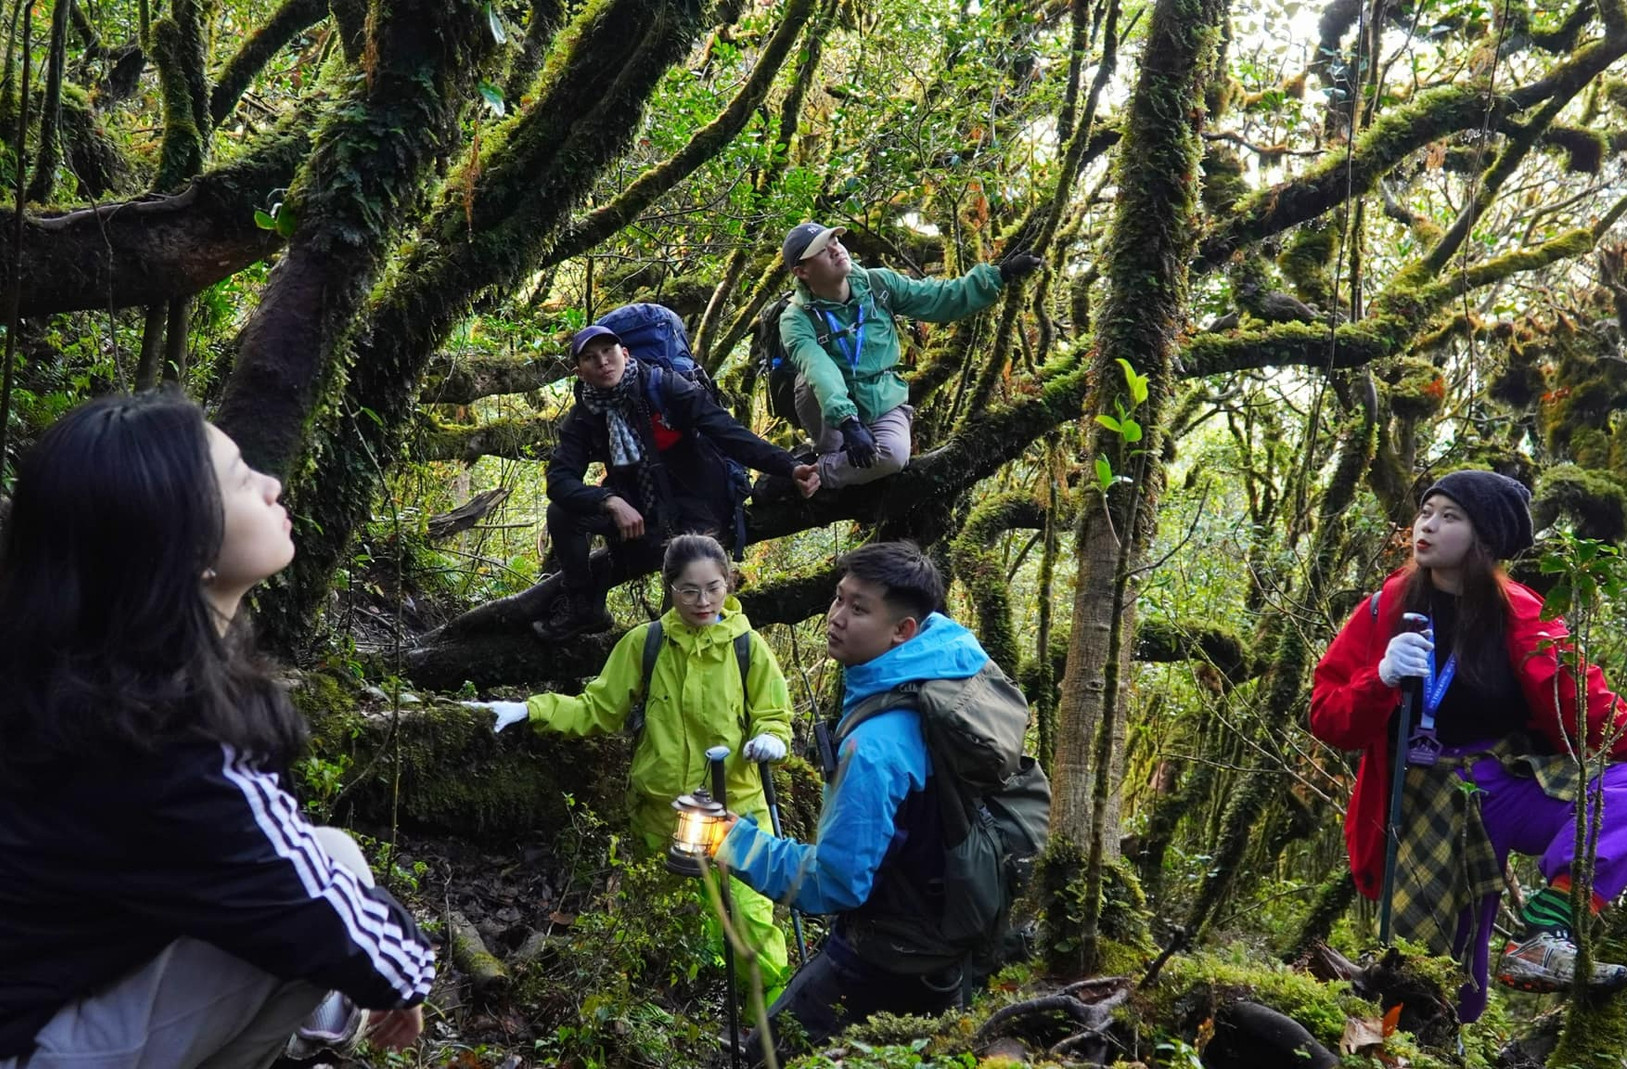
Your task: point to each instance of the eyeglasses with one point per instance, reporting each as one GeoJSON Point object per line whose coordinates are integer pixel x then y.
{"type": "Point", "coordinates": [693, 595]}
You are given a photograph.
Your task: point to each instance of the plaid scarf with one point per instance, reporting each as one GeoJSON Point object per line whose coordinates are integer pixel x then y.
{"type": "Point", "coordinates": [1445, 863]}
{"type": "Point", "coordinates": [622, 409]}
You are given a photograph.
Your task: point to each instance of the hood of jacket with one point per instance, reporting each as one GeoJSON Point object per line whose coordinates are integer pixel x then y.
{"type": "Point", "coordinates": [942, 649]}
{"type": "Point", "coordinates": [731, 623]}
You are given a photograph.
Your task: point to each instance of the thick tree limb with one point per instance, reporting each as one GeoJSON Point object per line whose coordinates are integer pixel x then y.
{"type": "Point", "coordinates": [516, 439]}
{"type": "Point", "coordinates": [707, 142]}
{"type": "Point", "coordinates": [1165, 641]}
{"type": "Point", "coordinates": [146, 251]}
{"type": "Point", "coordinates": [460, 380]}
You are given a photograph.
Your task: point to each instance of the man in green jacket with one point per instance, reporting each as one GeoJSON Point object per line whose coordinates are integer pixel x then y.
{"type": "Point", "coordinates": [850, 396]}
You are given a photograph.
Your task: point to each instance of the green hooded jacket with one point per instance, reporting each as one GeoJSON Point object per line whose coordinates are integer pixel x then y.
{"type": "Point", "coordinates": [694, 704]}
{"type": "Point", "coordinates": [871, 385]}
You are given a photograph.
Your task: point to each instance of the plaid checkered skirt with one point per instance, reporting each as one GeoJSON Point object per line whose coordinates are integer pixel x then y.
{"type": "Point", "coordinates": [1445, 862]}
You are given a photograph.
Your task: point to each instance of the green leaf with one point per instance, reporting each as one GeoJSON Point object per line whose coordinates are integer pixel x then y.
{"type": "Point", "coordinates": [1137, 384]}
{"type": "Point", "coordinates": [1104, 473]}
{"type": "Point", "coordinates": [494, 98]}
{"type": "Point", "coordinates": [1132, 431]}
{"type": "Point", "coordinates": [264, 220]}
{"type": "Point", "coordinates": [494, 19]}
{"type": "Point", "coordinates": [1111, 424]}
{"type": "Point", "coordinates": [285, 221]}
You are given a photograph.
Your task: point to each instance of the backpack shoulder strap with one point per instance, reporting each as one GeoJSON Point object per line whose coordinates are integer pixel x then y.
{"type": "Point", "coordinates": [907, 696]}
{"type": "Point", "coordinates": [1372, 602]}
{"type": "Point", "coordinates": [742, 657]}
{"type": "Point", "coordinates": [652, 650]}
{"type": "Point", "coordinates": [821, 328]}
{"type": "Point", "coordinates": [652, 387]}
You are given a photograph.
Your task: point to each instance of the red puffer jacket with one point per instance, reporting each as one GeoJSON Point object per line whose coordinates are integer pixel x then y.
{"type": "Point", "coordinates": [1351, 706]}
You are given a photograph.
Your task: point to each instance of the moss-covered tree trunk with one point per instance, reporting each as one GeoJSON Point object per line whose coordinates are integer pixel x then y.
{"type": "Point", "coordinates": [421, 63]}
{"type": "Point", "coordinates": [1152, 240]}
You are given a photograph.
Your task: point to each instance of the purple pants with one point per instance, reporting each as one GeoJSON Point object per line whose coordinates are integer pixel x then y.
{"type": "Point", "coordinates": [1520, 817]}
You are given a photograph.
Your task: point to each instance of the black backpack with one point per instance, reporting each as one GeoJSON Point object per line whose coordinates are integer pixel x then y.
{"type": "Point", "coordinates": [995, 809]}
{"type": "Point", "coordinates": [652, 650]}
{"type": "Point", "coordinates": [774, 366]}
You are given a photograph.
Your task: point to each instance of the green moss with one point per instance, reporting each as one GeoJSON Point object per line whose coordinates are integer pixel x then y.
{"type": "Point", "coordinates": [1305, 261]}
{"type": "Point", "coordinates": [1192, 988]}
{"type": "Point", "coordinates": [1126, 943]}
{"type": "Point", "coordinates": [1419, 391]}
{"type": "Point", "coordinates": [1223, 184]}
{"type": "Point", "coordinates": [1596, 501]}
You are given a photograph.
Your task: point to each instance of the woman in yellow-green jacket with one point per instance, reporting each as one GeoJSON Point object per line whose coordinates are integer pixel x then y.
{"type": "Point", "coordinates": [695, 702]}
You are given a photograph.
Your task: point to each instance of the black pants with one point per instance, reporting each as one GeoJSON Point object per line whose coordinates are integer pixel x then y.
{"type": "Point", "coordinates": [586, 573]}
{"type": "Point", "coordinates": [837, 989]}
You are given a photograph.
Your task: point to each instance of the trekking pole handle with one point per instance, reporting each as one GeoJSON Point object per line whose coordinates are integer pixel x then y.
{"type": "Point", "coordinates": [766, 771]}
{"type": "Point", "coordinates": [715, 757]}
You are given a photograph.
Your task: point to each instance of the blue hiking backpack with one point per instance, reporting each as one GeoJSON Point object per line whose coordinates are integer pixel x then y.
{"type": "Point", "coordinates": [656, 337]}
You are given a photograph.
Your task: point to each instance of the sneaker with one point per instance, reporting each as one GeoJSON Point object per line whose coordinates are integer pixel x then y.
{"type": "Point", "coordinates": [573, 615]}
{"type": "Point", "coordinates": [1546, 961]}
{"type": "Point", "coordinates": [336, 1025]}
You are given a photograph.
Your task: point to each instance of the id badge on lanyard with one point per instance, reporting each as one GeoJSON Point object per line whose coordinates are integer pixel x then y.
{"type": "Point", "coordinates": [1423, 748]}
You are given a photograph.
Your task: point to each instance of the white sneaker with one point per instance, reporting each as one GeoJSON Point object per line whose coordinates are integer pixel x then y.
{"type": "Point", "coordinates": [1547, 962]}
{"type": "Point", "coordinates": [335, 1025]}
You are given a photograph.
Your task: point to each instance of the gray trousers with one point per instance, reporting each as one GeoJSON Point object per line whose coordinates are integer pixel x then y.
{"type": "Point", "coordinates": [892, 431]}
{"type": "Point", "coordinates": [194, 1006]}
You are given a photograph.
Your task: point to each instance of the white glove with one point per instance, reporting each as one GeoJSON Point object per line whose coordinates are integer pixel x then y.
{"type": "Point", "coordinates": [763, 748]}
{"type": "Point", "coordinates": [506, 712]}
{"type": "Point", "coordinates": [1407, 655]}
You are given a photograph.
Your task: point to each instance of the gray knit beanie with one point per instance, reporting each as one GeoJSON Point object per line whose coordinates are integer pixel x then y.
{"type": "Point", "coordinates": [1499, 508]}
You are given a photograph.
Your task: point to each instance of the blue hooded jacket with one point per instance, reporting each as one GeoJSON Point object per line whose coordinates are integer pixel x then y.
{"type": "Point", "coordinates": [880, 764]}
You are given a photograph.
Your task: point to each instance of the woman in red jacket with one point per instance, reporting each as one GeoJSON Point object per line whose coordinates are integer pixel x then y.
{"type": "Point", "coordinates": [1501, 711]}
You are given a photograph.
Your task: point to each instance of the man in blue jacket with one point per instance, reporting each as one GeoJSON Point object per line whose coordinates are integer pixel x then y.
{"type": "Point", "coordinates": [878, 862]}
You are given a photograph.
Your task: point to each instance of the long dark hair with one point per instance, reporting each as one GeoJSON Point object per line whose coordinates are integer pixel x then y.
{"type": "Point", "coordinates": [1482, 614]}
{"type": "Point", "coordinates": [107, 642]}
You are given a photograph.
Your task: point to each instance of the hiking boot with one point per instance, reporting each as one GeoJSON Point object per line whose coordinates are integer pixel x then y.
{"type": "Point", "coordinates": [1546, 961]}
{"type": "Point", "coordinates": [573, 614]}
{"type": "Point", "coordinates": [336, 1025]}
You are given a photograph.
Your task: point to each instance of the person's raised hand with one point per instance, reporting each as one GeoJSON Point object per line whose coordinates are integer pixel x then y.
{"type": "Point", "coordinates": [629, 521]}
{"type": "Point", "coordinates": [1019, 265]}
{"type": "Point", "coordinates": [1406, 656]}
{"type": "Point", "coordinates": [806, 476]}
{"type": "Point", "coordinates": [395, 1029]}
{"type": "Point", "coordinates": [859, 442]}
{"type": "Point", "coordinates": [764, 747]}
{"type": "Point", "coordinates": [506, 713]}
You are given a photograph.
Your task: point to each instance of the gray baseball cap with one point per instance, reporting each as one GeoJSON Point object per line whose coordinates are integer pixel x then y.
{"type": "Point", "coordinates": [808, 239]}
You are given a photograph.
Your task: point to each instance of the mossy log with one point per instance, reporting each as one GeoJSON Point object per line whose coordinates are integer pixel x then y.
{"type": "Point", "coordinates": [517, 439]}
{"type": "Point", "coordinates": [468, 951]}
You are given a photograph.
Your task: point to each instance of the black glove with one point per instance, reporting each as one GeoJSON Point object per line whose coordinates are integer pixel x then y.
{"type": "Point", "coordinates": [1019, 265]}
{"type": "Point", "coordinates": [859, 442]}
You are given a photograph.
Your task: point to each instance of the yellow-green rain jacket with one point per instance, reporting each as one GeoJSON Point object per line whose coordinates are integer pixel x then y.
{"type": "Point", "coordinates": [695, 703]}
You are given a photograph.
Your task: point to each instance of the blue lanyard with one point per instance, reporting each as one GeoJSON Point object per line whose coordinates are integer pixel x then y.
{"type": "Point", "coordinates": [839, 332]}
{"type": "Point", "coordinates": [1435, 688]}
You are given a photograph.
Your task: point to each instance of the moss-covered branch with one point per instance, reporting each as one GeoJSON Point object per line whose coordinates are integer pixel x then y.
{"type": "Point", "coordinates": [706, 142]}
{"type": "Point", "coordinates": [459, 380]}
{"type": "Point", "coordinates": [979, 568]}
{"type": "Point", "coordinates": [1166, 641]}
{"type": "Point", "coordinates": [177, 51]}
{"type": "Point", "coordinates": [516, 439]}
{"type": "Point", "coordinates": [274, 34]}
{"type": "Point", "coordinates": [148, 251]}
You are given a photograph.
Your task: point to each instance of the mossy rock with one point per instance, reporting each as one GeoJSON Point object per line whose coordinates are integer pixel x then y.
{"type": "Point", "coordinates": [1191, 989]}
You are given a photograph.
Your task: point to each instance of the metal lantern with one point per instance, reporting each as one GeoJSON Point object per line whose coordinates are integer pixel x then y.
{"type": "Point", "coordinates": [698, 833]}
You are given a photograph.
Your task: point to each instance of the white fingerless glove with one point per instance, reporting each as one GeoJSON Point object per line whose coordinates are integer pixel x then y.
{"type": "Point", "coordinates": [506, 712]}
{"type": "Point", "coordinates": [1406, 656]}
{"type": "Point", "coordinates": [763, 748]}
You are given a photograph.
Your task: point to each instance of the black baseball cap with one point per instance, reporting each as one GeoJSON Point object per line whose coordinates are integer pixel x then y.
{"type": "Point", "coordinates": [808, 239]}
{"type": "Point", "coordinates": [580, 339]}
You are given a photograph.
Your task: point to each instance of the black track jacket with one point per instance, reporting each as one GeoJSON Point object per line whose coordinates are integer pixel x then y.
{"type": "Point", "coordinates": [104, 865]}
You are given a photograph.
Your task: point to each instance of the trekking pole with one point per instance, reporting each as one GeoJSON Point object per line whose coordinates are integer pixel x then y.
{"type": "Point", "coordinates": [767, 773]}
{"type": "Point", "coordinates": [1398, 777]}
{"type": "Point", "coordinates": [715, 757]}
